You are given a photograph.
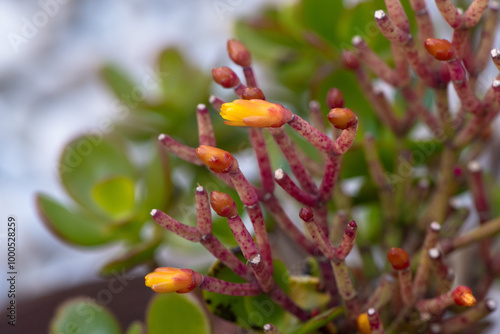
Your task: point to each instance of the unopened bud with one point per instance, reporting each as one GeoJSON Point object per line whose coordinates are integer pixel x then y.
{"type": "Point", "coordinates": [223, 204]}
{"type": "Point", "coordinates": [239, 53]}
{"type": "Point", "coordinates": [225, 77]}
{"type": "Point", "coordinates": [342, 118]}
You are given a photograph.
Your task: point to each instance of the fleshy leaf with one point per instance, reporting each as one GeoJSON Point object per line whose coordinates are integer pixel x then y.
{"type": "Point", "coordinates": [88, 160]}
{"type": "Point", "coordinates": [83, 315]}
{"type": "Point", "coordinates": [176, 313]}
{"type": "Point", "coordinates": [115, 195]}
{"type": "Point", "coordinates": [136, 327]}
{"type": "Point", "coordinates": [319, 321]}
{"type": "Point", "coordinates": [76, 227]}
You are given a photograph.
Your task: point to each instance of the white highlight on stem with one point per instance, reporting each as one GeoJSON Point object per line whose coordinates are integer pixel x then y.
{"type": "Point", "coordinates": [153, 212]}
{"type": "Point", "coordinates": [279, 174]}
{"type": "Point", "coordinates": [380, 15]}
{"type": "Point", "coordinates": [474, 166]}
{"type": "Point", "coordinates": [161, 137]}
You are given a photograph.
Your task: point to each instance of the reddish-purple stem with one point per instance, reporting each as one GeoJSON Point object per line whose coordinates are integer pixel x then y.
{"type": "Point", "coordinates": [259, 146]}
{"type": "Point", "coordinates": [318, 139]}
{"type": "Point", "coordinates": [292, 189]}
{"type": "Point", "coordinates": [348, 241]}
{"type": "Point", "coordinates": [216, 285]}
{"type": "Point", "coordinates": [187, 232]}
{"type": "Point", "coordinates": [182, 151]}
{"type": "Point", "coordinates": [203, 213]}
{"type": "Point", "coordinates": [205, 129]}
{"type": "Point", "coordinates": [243, 237]}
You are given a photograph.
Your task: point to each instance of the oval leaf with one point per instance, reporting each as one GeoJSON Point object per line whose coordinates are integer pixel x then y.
{"type": "Point", "coordinates": [176, 313]}
{"type": "Point", "coordinates": [83, 315]}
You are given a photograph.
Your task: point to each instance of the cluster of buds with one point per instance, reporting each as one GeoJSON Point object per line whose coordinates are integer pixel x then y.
{"type": "Point", "coordinates": [403, 290]}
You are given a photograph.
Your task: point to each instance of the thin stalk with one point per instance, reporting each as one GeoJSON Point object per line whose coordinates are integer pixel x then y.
{"type": "Point", "coordinates": [422, 275]}
{"type": "Point", "coordinates": [216, 285]}
{"type": "Point", "coordinates": [205, 129]}
{"type": "Point", "coordinates": [260, 148]}
{"type": "Point", "coordinates": [203, 213]}
{"type": "Point", "coordinates": [318, 139]}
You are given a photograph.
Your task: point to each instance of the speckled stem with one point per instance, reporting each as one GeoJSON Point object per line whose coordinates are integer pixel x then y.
{"type": "Point", "coordinates": [450, 13]}
{"type": "Point", "coordinates": [298, 169]}
{"type": "Point", "coordinates": [182, 151]}
{"type": "Point", "coordinates": [216, 285]}
{"type": "Point", "coordinates": [424, 24]}
{"type": "Point", "coordinates": [293, 190]}
{"type": "Point", "coordinates": [378, 101]}
{"type": "Point", "coordinates": [401, 65]}
{"type": "Point", "coordinates": [404, 39]}
{"type": "Point", "coordinates": [422, 274]}
{"type": "Point", "coordinates": [249, 76]}
{"type": "Point", "coordinates": [478, 190]}
{"type": "Point", "coordinates": [398, 15]}
{"type": "Point", "coordinates": [382, 293]}
{"type": "Point", "coordinates": [288, 227]}
{"type": "Point", "coordinates": [245, 190]}
{"type": "Point", "coordinates": [376, 325]}
{"type": "Point", "coordinates": [328, 280]}
{"type": "Point", "coordinates": [259, 268]}
{"type": "Point", "coordinates": [320, 239]}
{"type": "Point", "coordinates": [346, 289]}
{"type": "Point", "coordinates": [190, 233]}
{"type": "Point", "coordinates": [405, 286]}
{"type": "Point", "coordinates": [345, 140]}
{"type": "Point", "coordinates": [348, 241]}
{"type": "Point", "coordinates": [282, 299]}
{"type": "Point", "coordinates": [437, 304]}
{"type": "Point", "coordinates": [374, 62]}
{"type": "Point", "coordinates": [473, 14]}
{"type": "Point", "coordinates": [316, 116]}
{"type": "Point", "coordinates": [243, 237]}
{"type": "Point", "coordinates": [414, 101]}
{"type": "Point", "coordinates": [205, 129]}
{"type": "Point", "coordinates": [260, 148]}
{"type": "Point", "coordinates": [217, 249]}
{"type": "Point", "coordinates": [332, 171]}
{"type": "Point", "coordinates": [442, 271]}
{"type": "Point", "coordinates": [216, 102]}
{"type": "Point", "coordinates": [318, 139]}
{"type": "Point", "coordinates": [261, 237]}
{"type": "Point", "coordinates": [468, 317]}
{"type": "Point", "coordinates": [487, 36]}
{"type": "Point", "coordinates": [203, 213]}
{"type": "Point", "coordinates": [465, 94]}
{"type": "Point", "coordinates": [488, 229]}
{"type": "Point", "coordinates": [468, 132]}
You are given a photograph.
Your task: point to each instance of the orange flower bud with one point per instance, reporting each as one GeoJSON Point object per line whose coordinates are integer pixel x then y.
{"type": "Point", "coordinates": [218, 160]}
{"type": "Point", "coordinates": [252, 93]}
{"type": "Point", "coordinates": [239, 53]}
{"type": "Point", "coordinates": [462, 295]}
{"type": "Point", "coordinates": [342, 118]}
{"type": "Point", "coordinates": [439, 48]}
{"type": "Point", "coordinates": [255, 113]}
{"type": "Point", "coordinates": [364, 324]}
{"type": "Point", "coordinates": [399, 258]}
{"type": "Point", "coordinates": [225, 77]}
{"type": "Point", "coordinates": [166, 279]}
{"type": "Point", "coordinates": [223, 204]}
{"type": "Point", "coordinates": [334, 98]}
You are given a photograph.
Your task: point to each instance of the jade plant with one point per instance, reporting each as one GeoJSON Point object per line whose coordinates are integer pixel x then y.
{"type": "Point", "coordinates": [355, 216]}
{"type": "Point", "coordinates": [415, 290]}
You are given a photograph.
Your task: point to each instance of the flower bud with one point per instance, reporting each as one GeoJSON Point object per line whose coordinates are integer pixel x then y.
{"type": "Point", "coordinates": [252, 93]}
{"type": "Point", "coordinates": [223, 204]}
{"type": "Point", "coordinates": [398, 258]}
{"type": "Point", "coordinates": [218, 160]}
{"type": "Point", "coordinates": [166, 279]}
{"type": "Point", "coordinates": [334, 98]}
{"type": "Point", "coordinates": [462, 295]}
{"type": "Point", "coordinates": [440, 49]}
{"type": "Point", "coordinates": [342, 118]}
{"type": "Point", "coordinates": [255, 113]}
{"type": "Point", "coordinates": [364, 324]}
{"type": "Point", "coordinates": [350, 60]}
{"type": "Point", "coordinates": [239, 53]}
{"type": "Point", "coordinates": [306, 214]}
{"type": "Point", "coordinates": [225, 77]}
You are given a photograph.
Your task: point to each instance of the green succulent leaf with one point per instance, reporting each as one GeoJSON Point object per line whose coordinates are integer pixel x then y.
{"type": "Point", "coordinates": [136, 327]}
{"type": "Point", "coordinates": [116, 195]}
{"type": "Point", "coordinates": [118, 81]}
{"type": "Point", "coordinates": [78, 227]}
{"type": "Point", "coordinates": [176, 313]}
{"type": "Point", "coordinates": [91, 161]}
{"type": "Point", "coordinates": [83, 315]}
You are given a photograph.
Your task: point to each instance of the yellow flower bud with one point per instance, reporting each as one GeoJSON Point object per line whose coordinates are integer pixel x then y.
{"type": "Point", "coordinates": [255, 113]}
